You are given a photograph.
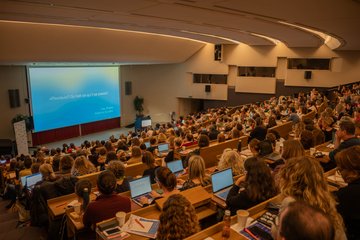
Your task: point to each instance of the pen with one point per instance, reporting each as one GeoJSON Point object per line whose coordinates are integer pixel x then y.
{"type": "Point", "coordinates": [250, 233]}
{"type": "Point", "coordinates": [61, 205]}
{"type": "Point", "coordinates": [137, 220]}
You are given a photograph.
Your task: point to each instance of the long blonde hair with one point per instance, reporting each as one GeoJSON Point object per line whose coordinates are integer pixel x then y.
{"type": "Point", "coordinates": [303, 179]}
{"type": "Point", "coordinates": [230, 158]}
{"type": "Point", "coordinates": [197, 170]}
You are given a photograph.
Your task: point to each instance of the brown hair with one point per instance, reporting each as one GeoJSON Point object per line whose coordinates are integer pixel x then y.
{"type": "Point", "coordinates": [292, 148]}
{"type": "Point", "coordinates": [348, 163]}
{"type": "Point", "coordinates": [166, 178]}
{"type": "Point", "coordinates": [178, 219]}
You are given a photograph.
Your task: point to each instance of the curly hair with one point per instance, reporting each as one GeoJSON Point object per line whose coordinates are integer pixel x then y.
{"type": "Point", "coordinates": [178, 219]}
{"type": "Point", "coordinates": [260, 184]}
{"type": "Point", "coordinates": [230, 158]}
{"type": "Point", "coordinates": [303, 179]}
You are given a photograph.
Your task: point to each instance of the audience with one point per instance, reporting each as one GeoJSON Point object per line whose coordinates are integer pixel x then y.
{"type": "Point", "coordinates": [82, 166]}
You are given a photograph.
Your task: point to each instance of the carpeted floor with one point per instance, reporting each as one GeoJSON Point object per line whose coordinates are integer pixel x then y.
{"type": "Point", "coordinates": [9, 229]}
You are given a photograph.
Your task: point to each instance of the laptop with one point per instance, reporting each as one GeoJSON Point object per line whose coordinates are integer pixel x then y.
{"type": "Point", "coordinates": [23, 181]}
{"type": "Point", "coordinates": [163, 148]}
{"type": "Point", "coordinates": [140, 187]}
{"type": "Point", "coordinates": [273, 156]}
{"type": "Point", "coordinates": [222, 182]}
{"type": "Point", "coordinates": [31, 180]}
{"type": "Point", "coordinates": [147, 144]}
{"type": "Point", "coordinates": [175, 167]}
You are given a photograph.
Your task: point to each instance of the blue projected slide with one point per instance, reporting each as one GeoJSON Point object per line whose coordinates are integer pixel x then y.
{"type": "Point", "coordinates": [67, 96]}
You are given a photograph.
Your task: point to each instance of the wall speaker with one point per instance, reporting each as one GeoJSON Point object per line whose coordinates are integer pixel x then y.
{"type": "Point", "coordinates": [218, 52]}
{"type": "Point", "coordinates": [128, 88]}
{"type": "Point", "coordinates": [14, 98]}
{"type": "Point", "coordinates": [307, 74]}
{"type": "Point", "coordinates": [207, 88]}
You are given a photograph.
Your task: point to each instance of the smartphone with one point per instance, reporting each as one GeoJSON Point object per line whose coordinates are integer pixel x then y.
{"type": "Point", "coordinates": [112, 231]}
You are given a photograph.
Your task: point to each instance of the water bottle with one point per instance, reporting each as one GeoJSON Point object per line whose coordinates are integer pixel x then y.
{"type": "Point", "coordinates": [86, 198]}
{"type": "Point", "coordinates": [226, 225]}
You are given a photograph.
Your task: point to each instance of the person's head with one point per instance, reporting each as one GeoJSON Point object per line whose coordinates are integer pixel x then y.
{"type": "Point", "coordinates": [303, 179]}
{"type": "Point", "coordinates": [111, 156]}
{"type": "Point", "coordinates": [307, 139]}
{"type": "Point", "coordinates": [153, 141]}
{"type": "Point", "coordinates": [231, 158]}
{"type": "Point", "coordinates": [319, 136]}
{"type": "Point", "coordinates": [260, 184]}
{"type": "Point", "coordinates": [203, 141]}
{"type": "Point", "coordinates": [346, 128]}
{"type": "Point", "coordinates": [178, 219]}
{"type": "Point", "coordinates": [197, 168]}
{"type": "Point", "coordinates": [81, 185]}
{"type": "Point", "coordinates": [235, 133]}
{"type": "Point", "coordinates": [27, 162]}
{"type": "Point", "coordinates": [35, 168]}
{"type": "Point", "coordinates": [47, 172]}
{"type": "Point", "coordinates": [178, 142]}
{"type": "Point", "coordinates": [82, 165]}
{"type": "Point", "coordinates": [135, 152]}
{"type": "Point", "coordinates": [221, 137]}
{"type": "Point", "coordinates": [148, 159]}
{"type": "Point", "coordinates": [161, 138]}
{"type": "Point", "coordinates": [254, 146]}
{"type": "Point", "coordinates": [117, 168]}
{"type": "Point", "coordinates": [272, 138]}
{"type": "Point", "coordinates": [165, 178]}
{"type": "Point", "coordinates": [292, 148]}
{"type": "Point", "coordinates": [300, 221]}
{"type": "Point", "coordinates": [348, 163]}
{"type": "Point", "coordinates": [102, 151]}
{"type": "Point", "coordinates": [135, 142]}
{"type": "Point", "coordinates": [106, 182]}
{"type": "Point", "coordinates": [265, 148]}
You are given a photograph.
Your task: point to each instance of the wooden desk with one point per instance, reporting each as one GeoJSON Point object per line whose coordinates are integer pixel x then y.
{"type": "Point", "coordinates": [203, 210]}
{"type": "Point", "coordinates": [216, 230]}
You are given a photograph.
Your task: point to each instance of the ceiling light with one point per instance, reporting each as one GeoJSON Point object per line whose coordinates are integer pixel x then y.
{"type": "Point", "coordinates": [214, 36]}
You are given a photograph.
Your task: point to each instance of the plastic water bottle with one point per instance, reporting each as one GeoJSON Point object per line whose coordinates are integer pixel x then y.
{"type": "Point", "coordinates": [86, 198]}
{"type": "Point", "coordinates": [226, 227]}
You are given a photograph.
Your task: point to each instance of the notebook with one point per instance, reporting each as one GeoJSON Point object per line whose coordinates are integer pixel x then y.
{"type": "Point", "coordinates": [140, 187]}
{"type": "Point", "coordinates": [175, 166]}
{"type": "Point", "coordinates": [31, 180]}
{"type": "Point", "coordinates": [163, 148]}
{"type": "Point", "coordinates": [222, 182]}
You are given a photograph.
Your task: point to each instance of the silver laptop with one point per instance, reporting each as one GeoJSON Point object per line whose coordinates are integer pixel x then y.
{"type": "Point", "coordinates": [175, 167]}
{"type": "Point", "coordinates": [222, 182]}
{"type": "Point", "coordinates": [147, 144]}
{"type": "Point", "coordinates": [140, 187]}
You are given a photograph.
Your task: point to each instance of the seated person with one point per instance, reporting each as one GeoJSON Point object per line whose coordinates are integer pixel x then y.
{"type": "Point", "coordinates": [27, 165]}
{"type": "Point", "coordinates": [65, 165]}
{"type": "Point", "coordinates": [149, 160]}
{"type": "Point", "coordinates": [82, 166]}
{"type": "Point", "coordinates": [167, 184]}
{"type": "Point", "coordinates": [174, 154]}
{"type": "Point", "coordinates": [196, 174]}
{"type": "Point", "coordinates": [301, 221]}
{"type": "Point", "coordinates": [258, 186]}
{"type": "Point", "coordinates": [108, 203]}
{"type": "Point", "coordinates": [344, 138]}
{"type": "Point", "coordinates": [178, 219]}
{"type": "Point", "coordinates": [348, 163]}
{"type": "Point", "coordinates": [136, 155]}
{"type": "Point", "coordinates": [118, 169]}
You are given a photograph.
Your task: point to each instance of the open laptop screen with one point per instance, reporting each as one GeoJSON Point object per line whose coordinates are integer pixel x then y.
{"type": "Point", "coordinates": [175, 166]}
{"type": "Point", "coordinates": [163, 147]}
{"type": "Point", "coordinates": [140, 186]}
{"type": "Point", "coordinates": [31, 180]}
{"type": "Point", "coordinates": [222, 179]}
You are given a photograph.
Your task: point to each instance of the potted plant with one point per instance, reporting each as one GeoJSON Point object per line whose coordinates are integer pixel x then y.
{"type": "Point", "coordinates": [138, 104]}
